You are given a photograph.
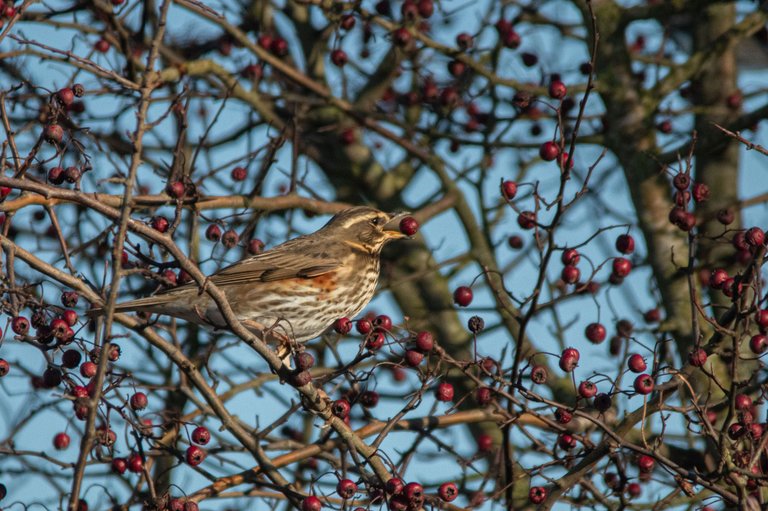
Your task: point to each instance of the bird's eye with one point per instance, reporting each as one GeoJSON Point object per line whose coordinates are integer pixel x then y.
{"type": "Point", "coordinates": [377, 221]}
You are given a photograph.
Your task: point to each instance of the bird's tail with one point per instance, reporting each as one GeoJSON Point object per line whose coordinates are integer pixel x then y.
{"type": "Point", "coordinates": [149, 304]}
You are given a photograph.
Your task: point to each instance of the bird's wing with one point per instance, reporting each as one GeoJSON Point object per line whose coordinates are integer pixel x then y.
{"type": "Point", "coordinates": [286, 261]}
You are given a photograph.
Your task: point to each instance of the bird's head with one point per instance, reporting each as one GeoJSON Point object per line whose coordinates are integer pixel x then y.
{"type": "Point", "coordinates": [367, 228]}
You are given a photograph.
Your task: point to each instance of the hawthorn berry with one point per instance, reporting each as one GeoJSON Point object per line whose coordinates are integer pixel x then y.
{"type": "Point", "coordinates": [643, 384]}
{"type": "Point", "coordinates": [462, 296]}
{"type": "Point", "coordinates": [444, 392]}
{"type": "Point", "coordinates": [139, 401]}
{"type": "Point", "coordinates": [346, 488]}
{"type": "Point", "coordinates": [537, 494]}
{"type": "Point", "coordinates": [409, 226]}
{"type": "Point", "coordinates": [697, 357]}
{"type": "Point", "coordinates": [304, 361]}
{"type": "Point", "coordinates": [569, 359]}
{"type": "Point", "coordinates": [595, 333]}
{"type": "Point", "coordinates": [20, 325]}
{"type": "Point", "coordinates": [135, 463]}
{"type": "Point", "coordinates": [587, 389]}
{"type": "Point", "coordinates": [239, 173]}
{"type": "Point", "coordinates": [484, 442]}
{"type": "Point", "coordinates": [342, 326]}
{"type": "Point", "coordinates": [340, 408]}
{"type": "Point", "coordinates": [448, 492]}
{"type": "Point", "coordinates": [621, 267]}
{"type": "Point", "coordinates": [195, 455]}
{"type": "Point", "coordinates": [636, 363]}
{"type": "Point", "coordinates": [61, 441]}
{"type": "Point", "coordinates": [566, 441]}
{"type": "Point", "coordinates": [563, 416]}
{"type": "Point", "coordinates": [508, 189]}
{"type": "Point", "coordinates": [570, 274]}
{"type": "Point", "coordinates": [394, 486]}
{"type": "Point", "coordinates": [119, 465]}
{"type": "Point", "coordinates": [311, 503]}
{"type": "Point", "coordinates": [549, 151]}
{"type": "Point", "coordinates": [526, 220]}
{"type": "Point", "coordinates": [539, 374]}
{"type": "Point", "coordinates": [625, 244]}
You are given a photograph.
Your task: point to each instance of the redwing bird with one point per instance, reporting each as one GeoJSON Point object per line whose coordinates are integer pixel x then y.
{"type": "Point", "coordinates": [295, 290]}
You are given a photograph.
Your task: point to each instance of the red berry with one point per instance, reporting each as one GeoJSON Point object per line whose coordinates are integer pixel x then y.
{"type": "Point", "coordinates": [239, 174]}
{"type": "Point", "coordinates": [119, 465]}
{"type": "Point", "coordinates": [570, 256]}
{"type": "Point", "coordinates": [758, 343]}
{"type": "Point", "coordinates": [483, 396]}
{"type": "Point", "coordinates": [526, 220]}
{"type": "Point", "coordinates": [54, 134]}
{"type": "Point", "coordinates": [304, 361]}
{"type": "Point", "coordinates": [557, 89]}
{"type": "Point", "coordinates": [569, 359]}
{"type": "Point", "coordinates": [549, 151]}
{"type": "Point", "coordinates": [201, 435]}
{"type": "Point", "coordinates": [20, 325]}
{"type": "Point", "coordinates": [652, 316]}
{"type": "Point", "coordinates": [139, 401]}
{"type": "Point", "coordinates": [88, 370]}
{"type": "Point", "coordinates": [413, 358]}
{"type": "Point", "coordinates": [311, 503]}
{"type": "Point", "coordinates": [621, 267]}
{"type": "Point", "coordinates": [718, 278]}
{"type": "Point", "coordinates": [401, 37]}
{"type": "Point", "coordinates": [448, 492]}
{"type": "Point", "coordinates": [343, 326]}
{"type": "Point", "coordinates": [61, 441]}
{"type": "Point", "coordinates": [394, 486]}
{"type": "Point", "coordinates": [537, 494]}
{"type": "Point", "coordinates": [625, 244]}
{"type": "Point", "coordinates": [755, 237]}
{"type": "Point", "coordinates": [563, 416]}
{"type": "Point", "coordinates": [426, 8]}
{"type": "Point", "coordinates": [462, 296]}
{"type": "Point", "coordinates": [700, 192]}
{"type": "Point", "coordinates": [634, 490]}
{"type": "Point", "coordinates": [347, 21]}
{"type": "Point", "coordinates": [697, 357]}
{"type": "Point", "coordinates": [279, 47]}
{"type": "Point", "coordinates": [636, 363]}
{"type": "Point", "coordinates": [175, 189]}
{"type": "Point", "coordinates": [743, 402]}
{"type": "Point", "coordinates": [369, 399]}
{"type": "Point", "coordinates": [339, 58]}
{"type": "Point", "coordinates": [102, 45]}
{"type": "Point", "coordinates": [515, 242]}
{"type": "Point", "coordinates": [566, 441]}
{"type": "Point", "coordinates": [508, 189]}
{"type": "Point", "coordinates": [340, 408]}
{"type": "Point", "coordinates": [425, 342]}
{"type": "Point", "coordinates": [70, 317]}
{"type": "Point", "coordinates": [464, 41]}
{"type": "Point", "coordinates": [681, 181]}
{"type": "Point", "coordinates": [539, 374]}
{"type": "Point", "coordinates": [195, 455]}
{"type": "Point", "coordinates": [444, 392]}
{"type": "Point", "coordinates": [484, 442]}
{"type": "Point", "coordinates": [66, 96]}
{"type": "Point", "coordinates": [645, 463]}
{"type": "Point", "coordinates": [375, 340]}
{"type": "Point", "coordinates": [761, 317]}
{"type": "Point", "coordinates": [160, 224]}
{"type": "Point", "coordinates": [644, 384]}
{"type": "Point", "coordinates": [414, 495]}
{"type": "Point", "coordinates": [726, 216]}
{"type": "Point", "coordinates": [570, 274]}
{"type": "Point", "coordinates": [409, 226]}
{"type": "Point", "coordinates": [382, 322]}
{"type": "Point", "coordinates": [595, 333]}
{"type": "Point", "coordinates": [346, 489]}
{"type": "Point", "coordinates": [587, 389]}
{"type": "Point", "coordinates": [135, 463]}
{"type": "Point", "coordinates": [230, 238]}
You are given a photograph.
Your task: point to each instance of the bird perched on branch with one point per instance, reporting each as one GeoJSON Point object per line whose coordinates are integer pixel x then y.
{"type": "Point", "coordinates": [296, 290]}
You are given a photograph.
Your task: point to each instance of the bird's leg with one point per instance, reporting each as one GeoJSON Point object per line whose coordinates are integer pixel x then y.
{"type": "Point", "coordinates": [286, 346]}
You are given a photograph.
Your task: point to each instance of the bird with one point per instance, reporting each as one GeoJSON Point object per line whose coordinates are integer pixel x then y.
{"type": "Point", "coordinates": [296, 290]}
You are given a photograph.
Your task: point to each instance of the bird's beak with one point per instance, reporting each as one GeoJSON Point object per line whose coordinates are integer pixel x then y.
{"type": "Point", "coordinates": [392, 228]}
